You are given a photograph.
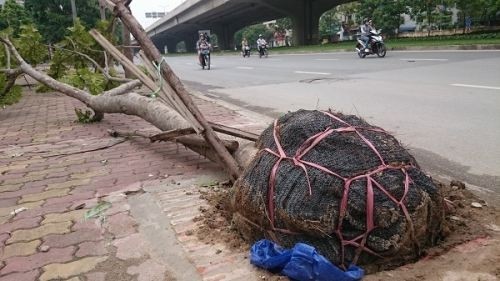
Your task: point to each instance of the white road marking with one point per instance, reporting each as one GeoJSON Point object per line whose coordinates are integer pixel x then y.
{"type": "Point", "coordinates": [410, 59]}
{"type": "Point", "coordinates": [326, 59]}
{"type": "Point", "coordinates": [476, 86]}
{"type": "Point", "coordinates": [244, 67]}
{"type": "Point", "coordinates": [310, 72]}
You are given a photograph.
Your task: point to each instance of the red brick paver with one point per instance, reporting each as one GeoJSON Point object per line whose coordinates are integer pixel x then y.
{"type": "Point", "coordinates": [45, 177]}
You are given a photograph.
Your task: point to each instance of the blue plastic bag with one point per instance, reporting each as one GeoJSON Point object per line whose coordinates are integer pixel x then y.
{"type": "Point", "coordinates": [302, 263]}
{"type": "Point", "coordinates": [268, 255]}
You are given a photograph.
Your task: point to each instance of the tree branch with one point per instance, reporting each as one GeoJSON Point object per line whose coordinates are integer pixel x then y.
{"type": "Point", "coordinates": [124, 88]}
{"type": "Point", "coordinates": [11, 75]}
{"type": "Point", "coordinates": [45, 79]}
{"type": "Point", "coordinates": [102, 70]}
{"type": "Point", "coordinates": [151, 110]}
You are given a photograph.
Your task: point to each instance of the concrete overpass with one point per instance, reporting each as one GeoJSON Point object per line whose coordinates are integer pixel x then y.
{"type": "Point", "coordinates": [225, 17]}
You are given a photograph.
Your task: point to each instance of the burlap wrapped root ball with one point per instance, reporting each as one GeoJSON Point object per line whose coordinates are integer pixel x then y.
{"type": "Point", "coordinates": [337, 183]}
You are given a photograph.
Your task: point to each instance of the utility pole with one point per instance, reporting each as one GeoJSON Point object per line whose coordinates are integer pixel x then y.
{"type": "Point", "coordinates": [73, 10]}
{"type": "Point", "coordinates": [102, 9]}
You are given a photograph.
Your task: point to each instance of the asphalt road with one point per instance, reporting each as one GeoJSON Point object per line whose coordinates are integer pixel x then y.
{"type": "Point", "coordinates": [444, 105]}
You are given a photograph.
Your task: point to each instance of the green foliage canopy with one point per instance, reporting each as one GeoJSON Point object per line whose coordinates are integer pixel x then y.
{"type": "Point", "coordinates": [13, 16]}
{"type": "Point", "coordinates": [386, 14]}
{"type": "Point", "coordinates": [252, 34]}
{"type": "Point", "coordinates": [53, 17]}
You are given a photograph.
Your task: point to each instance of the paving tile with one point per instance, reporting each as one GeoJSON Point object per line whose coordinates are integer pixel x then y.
{"type": "Point", "coordinates": [41, 211]}
{"type": "Point", "coordinates": [69, 200]}
{"type": "Point", "coordinates": [66, 270]}
{"type": "Point", "coordinates": [20, 224]}
{"type": "Point", "coordinates": [23, 264]}
{"type": "Point", "coordinates": [75, 216]}
{"type": "Point", "coordinates": [148, 271]}
{"type": "Point", "coordinates": [44, 195]}
{"type": "Point", "coordinates": [121, 225]}
{"type": "Point", "coordinates": [66, 184]}
{"type": "Point", "coordinates": [20, 249]}
{"type": "Point", "coordinates": [131, 247]}
{"type": "Point", "coordinates": [10, 187]}
{"type": "Point", "coordinates": [8, 210]}
{"type": "Point", "coordinates": [23, 276]}
{"type": "Point", "coordinates": [97, 276]}
{"type": "Point", "coordinates": [8, 202]}
{"type": "Point", "coordinates": [87, 249]}
{"type": "Point", "coordinates": [39, 232]}
{"type": "Point", "coordinates": [73, 238]}
{"type": "Point", "coordinates": [20, 192]}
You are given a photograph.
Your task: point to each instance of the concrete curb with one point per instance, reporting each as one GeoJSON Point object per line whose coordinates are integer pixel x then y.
{"type": "Point", "coordinates": [260, 119]}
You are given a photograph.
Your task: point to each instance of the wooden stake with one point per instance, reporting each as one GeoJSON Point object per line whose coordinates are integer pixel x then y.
{"type": "Point", "coordinates": [153, 54]}
{"type": "Point", "coordinates": [166, 93]}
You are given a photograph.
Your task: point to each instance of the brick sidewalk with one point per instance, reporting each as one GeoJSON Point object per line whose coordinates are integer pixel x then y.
{"type": "Point", "coordinates": [47, 184]}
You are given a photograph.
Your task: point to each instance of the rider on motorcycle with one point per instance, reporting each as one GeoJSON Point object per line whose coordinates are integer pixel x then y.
{"type": "Point", "coordinates": [244, 45]}
{"type": "Point", "coordinates": [202, 44]}
{"type": "Point", "coordinates": [261, 43]}
{"type": "Point", "coordinates": [366, 28]}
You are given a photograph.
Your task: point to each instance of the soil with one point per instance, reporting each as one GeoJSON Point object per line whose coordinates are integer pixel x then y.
{"type": "Point", "coordinates": [471, 251]}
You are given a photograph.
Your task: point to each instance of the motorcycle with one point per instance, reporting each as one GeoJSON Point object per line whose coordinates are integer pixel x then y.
{"type": "Point", "coordinates": [375, 45]}
{"type": "Point", "coordinates": [263, 51]}
{"type": "Point", "coordinates": [205, 57]}
{"type": "Point", "coordinates": [246, 51]}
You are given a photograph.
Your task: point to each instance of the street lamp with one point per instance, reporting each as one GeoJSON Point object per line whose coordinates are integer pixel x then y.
{"type": "Point", "coordinates": [73, 10]}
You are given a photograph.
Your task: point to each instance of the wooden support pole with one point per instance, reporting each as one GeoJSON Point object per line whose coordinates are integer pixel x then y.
{"type": "Point", "coordinates": [153, 54]}
{"type": "Point", "coordinates": [234, 132]}
{"type": "Point", "coordinates": [167, 94]}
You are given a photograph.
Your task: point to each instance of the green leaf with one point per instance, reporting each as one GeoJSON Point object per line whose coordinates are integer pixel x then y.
{"type": "Point", "coordinates": [97, 210]}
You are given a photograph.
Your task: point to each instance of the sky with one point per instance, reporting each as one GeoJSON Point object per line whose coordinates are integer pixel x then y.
{"type": "Point", "coordinates": [141, 7]}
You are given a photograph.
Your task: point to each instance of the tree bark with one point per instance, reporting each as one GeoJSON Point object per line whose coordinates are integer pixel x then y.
{"type": "Point", "coordinates": [11, 75]}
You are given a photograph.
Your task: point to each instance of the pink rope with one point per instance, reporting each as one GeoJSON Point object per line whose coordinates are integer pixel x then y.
{"type": "Point", "coordinates": [371, 184]}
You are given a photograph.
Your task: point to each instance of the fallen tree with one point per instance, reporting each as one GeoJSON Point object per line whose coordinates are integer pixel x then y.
{"type": "Point", "coordinates": [122, 100]}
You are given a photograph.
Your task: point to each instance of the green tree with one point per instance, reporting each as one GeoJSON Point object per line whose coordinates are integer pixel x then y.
{"type": "Point", "coordinates": [252, 33]}
{"type": "Point", "coordinates": [13, 16]}
{"type": "Point", "coordinates": [53, 17]}
{"type": "Point", "coordinates": [328, 23]}
{"type": "Point", "coordinates": [468, 8]}
{"type": "Point", "coordinates": [29, 44]}
{"type": "Point", "coordinates": [431, 14]}
{"type": "Point", "coordinates": [348, 12]}
{"type": "Point", "coordinates": [283, 24]}
{"type": "Point", "coordinates": [386, 14]}
{"type": "Point", "coordinates": [490, 11]}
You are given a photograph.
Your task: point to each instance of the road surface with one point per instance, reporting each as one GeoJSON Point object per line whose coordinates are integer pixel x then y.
{"type": "Point", "coordinates": [443, 105]}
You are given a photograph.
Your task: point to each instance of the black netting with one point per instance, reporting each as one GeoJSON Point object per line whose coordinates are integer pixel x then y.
{"type": "Point", "coordinates": [353, 162]}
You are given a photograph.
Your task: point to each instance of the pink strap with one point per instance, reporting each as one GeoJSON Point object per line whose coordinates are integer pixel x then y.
{"type": "Point", "coordinates": [360, 241]}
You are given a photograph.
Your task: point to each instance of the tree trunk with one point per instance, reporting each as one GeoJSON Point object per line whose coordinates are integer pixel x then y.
{"type": "Point", "coordinates": [126, 50]}
{"type": "Point", "coordinates": [11, 75]}
{"type": "Point", "coordinates": [119, 100]}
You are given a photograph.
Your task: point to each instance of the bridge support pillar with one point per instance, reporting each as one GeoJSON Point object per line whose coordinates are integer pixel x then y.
{"type": "Point", "coordinates": [191, 42]}
{"type": "Point", "coordinates": [306, 24]}
{"type": "Point", "coordinates": [171, 47]}
{"type": "Point", "coordinates": [225, 37]}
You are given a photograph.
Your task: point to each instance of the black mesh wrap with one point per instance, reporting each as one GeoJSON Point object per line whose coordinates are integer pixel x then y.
{"type": "Point", "coordinates": [314, 218]}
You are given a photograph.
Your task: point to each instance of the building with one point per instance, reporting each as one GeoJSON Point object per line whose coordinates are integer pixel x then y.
{"type": "Point", "coordinates": [20, 2]}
